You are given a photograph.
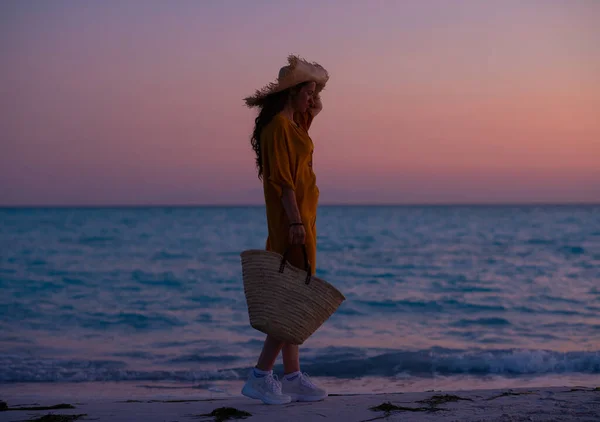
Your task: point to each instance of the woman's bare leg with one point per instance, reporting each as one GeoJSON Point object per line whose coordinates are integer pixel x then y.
{"type": "Point", "coordinates": [291, 358]}
{"type": "Point", "coordinates": [270, 351]}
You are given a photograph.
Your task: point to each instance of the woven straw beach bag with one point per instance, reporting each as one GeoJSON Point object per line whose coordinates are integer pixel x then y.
{"type": "Point", "coordinates": [284, 301]}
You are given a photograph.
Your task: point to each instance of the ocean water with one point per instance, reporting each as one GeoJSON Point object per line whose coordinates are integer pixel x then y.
{"type": "Point", "coordinates": [151, 299]}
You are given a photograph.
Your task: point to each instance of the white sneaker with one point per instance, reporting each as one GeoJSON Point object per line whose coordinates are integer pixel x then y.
{"type": "Point", "coordinates": [267, 389]}
{"type": "Point", "coordinates": [301, 388]}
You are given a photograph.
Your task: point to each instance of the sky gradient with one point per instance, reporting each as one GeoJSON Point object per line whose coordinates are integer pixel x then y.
{"type": "Point", "coordinates": [140, 102]}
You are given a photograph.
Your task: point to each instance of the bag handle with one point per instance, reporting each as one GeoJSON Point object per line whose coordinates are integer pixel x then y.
{"type": "Point", "coordinates": [306, 263]}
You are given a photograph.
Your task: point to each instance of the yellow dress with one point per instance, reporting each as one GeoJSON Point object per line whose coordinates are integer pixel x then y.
{"type": "Point", "coordinates": [287, 152]}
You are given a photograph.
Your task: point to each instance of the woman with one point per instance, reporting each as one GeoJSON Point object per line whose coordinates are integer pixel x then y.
{"type": "Point", "coordinates": [284, 160]}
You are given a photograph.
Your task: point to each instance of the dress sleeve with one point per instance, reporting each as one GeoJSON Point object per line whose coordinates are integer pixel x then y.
{"type": "Point", "coordinates": [278, 151]}
{"type": "Point", "coordinates": [304, 119]}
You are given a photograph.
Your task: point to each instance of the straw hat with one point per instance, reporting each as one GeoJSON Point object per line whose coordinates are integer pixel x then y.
{"type": "Point", "coordinates": [297, 71]}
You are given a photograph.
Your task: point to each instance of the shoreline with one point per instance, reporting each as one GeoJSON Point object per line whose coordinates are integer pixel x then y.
{"type": "Point", "coordinates": [519, 404]}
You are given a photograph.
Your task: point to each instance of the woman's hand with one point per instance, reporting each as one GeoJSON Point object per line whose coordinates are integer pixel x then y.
{"type": "Point", "coordinates": [316, 106]}
{"type": "Point", "coordinates": [297, 235]}
{"type": "Point", "coordinates": [317, 103]}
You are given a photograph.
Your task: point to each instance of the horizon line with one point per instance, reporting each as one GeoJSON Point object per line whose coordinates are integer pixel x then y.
{"type": "Point", "coordinates": [341, 204]}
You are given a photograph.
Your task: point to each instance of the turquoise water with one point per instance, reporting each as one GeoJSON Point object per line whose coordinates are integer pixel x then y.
{"type": "Point", "coordinates": [459, 294]}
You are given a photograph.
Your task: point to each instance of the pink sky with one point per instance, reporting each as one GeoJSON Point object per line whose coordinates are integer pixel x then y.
{"type": "Point", "coordinates": [140, 102]}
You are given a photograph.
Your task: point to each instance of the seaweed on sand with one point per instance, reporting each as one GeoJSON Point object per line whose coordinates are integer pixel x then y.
{"type": "Point", "coordinates": [511, 393]}
{"type": "Point", "coordinates": [390, 408]}
{"type": "Point", "coordinates": [50, 417]}
{"type": "Point", "coordinates": [222, 414]}
{"type": "Point", "coordinates": [440, 399]}
{"type": "Point", "coordinates": [4, 407]}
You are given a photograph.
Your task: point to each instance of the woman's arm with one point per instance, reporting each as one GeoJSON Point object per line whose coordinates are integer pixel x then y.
{"type": "Point", "coordinates": [317, 105]}
{"type": "Point", "coordinates": [297, 233]}
{"type": "Point", "coordinates": [288, 199]}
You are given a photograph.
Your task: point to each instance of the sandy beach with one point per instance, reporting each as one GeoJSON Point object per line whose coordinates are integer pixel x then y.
{"type": "Point", "coordinates": [532, 404]}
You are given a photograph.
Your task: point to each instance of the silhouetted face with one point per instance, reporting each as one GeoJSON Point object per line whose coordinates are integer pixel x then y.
{"type": "Point", "coordinates": [303, 99]}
